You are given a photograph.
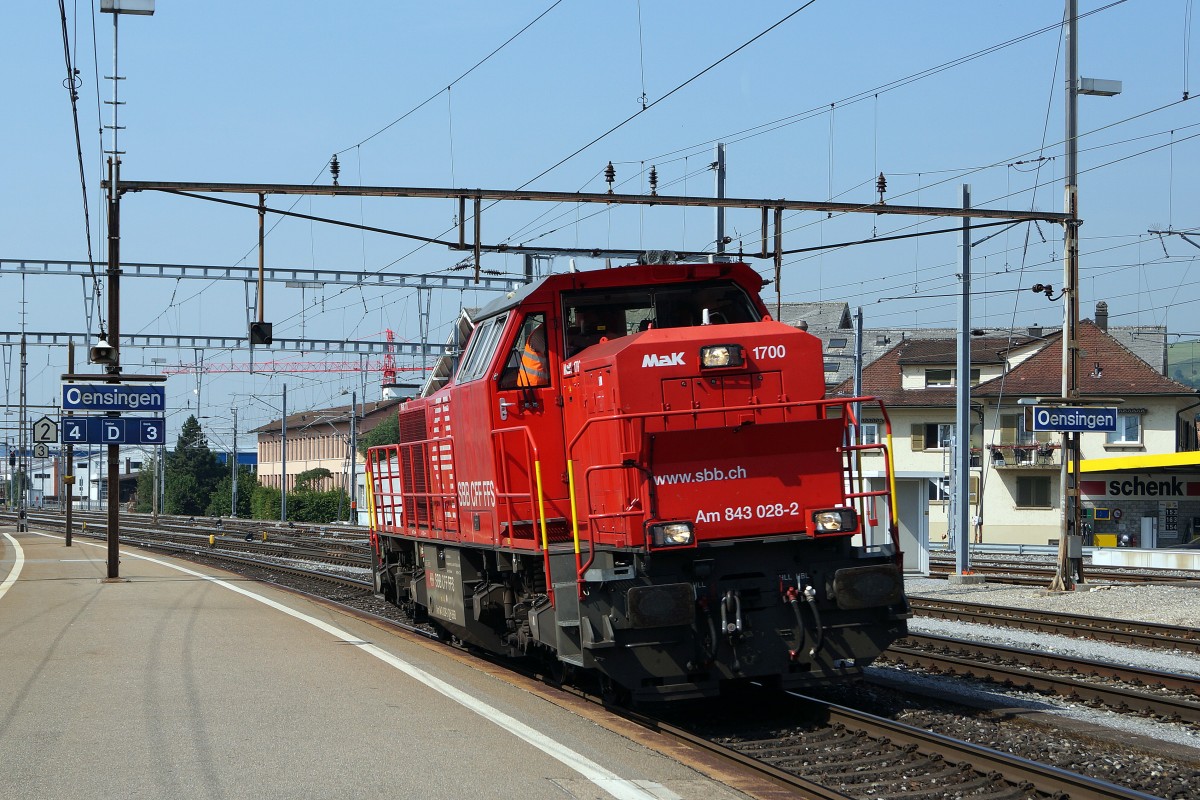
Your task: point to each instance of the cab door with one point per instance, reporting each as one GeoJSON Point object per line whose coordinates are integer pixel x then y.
{"type": "Point", "coordinates": [527, 430]}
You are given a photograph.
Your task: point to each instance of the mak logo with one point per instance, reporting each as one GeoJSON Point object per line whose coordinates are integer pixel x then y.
{"type": "Point", "coordinates": [663, 360]}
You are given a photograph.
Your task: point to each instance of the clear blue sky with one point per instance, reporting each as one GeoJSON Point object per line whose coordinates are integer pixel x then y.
{"type": "Point", "coordinates": [266, 91]}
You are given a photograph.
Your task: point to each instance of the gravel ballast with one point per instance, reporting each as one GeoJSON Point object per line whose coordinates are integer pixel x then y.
{"type": "Point", "coordinates": [1169, 605]}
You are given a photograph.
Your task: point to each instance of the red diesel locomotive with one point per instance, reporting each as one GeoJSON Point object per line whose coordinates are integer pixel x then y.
{"type": "Point", "coordinates": [635, 471]}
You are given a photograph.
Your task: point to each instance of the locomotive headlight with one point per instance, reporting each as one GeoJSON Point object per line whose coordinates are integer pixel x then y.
{"type": "Point", "coordinates": [721, 355]}
{"type": "Point", "coordinates": [835, 520]}
{"type": "Point", "coordinates": [671, 534]}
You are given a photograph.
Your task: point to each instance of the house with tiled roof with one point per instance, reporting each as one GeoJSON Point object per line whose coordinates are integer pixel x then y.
{"type": "Point", "coordinates": [1014, 480]}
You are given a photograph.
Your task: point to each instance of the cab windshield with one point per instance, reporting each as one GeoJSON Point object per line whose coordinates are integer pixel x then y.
{"type": "Point", "coordinates": [595, 316]}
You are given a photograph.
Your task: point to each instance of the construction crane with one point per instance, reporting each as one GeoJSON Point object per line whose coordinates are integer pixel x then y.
{"type": "Point", "coordinates": [386, 366]}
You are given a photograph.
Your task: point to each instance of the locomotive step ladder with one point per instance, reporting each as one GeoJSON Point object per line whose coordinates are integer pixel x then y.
{"type": "Point", "coordinates": [567, 633]}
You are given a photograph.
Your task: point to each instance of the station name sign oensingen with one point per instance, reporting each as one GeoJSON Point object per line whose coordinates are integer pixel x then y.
{"type": "Point", "coordinates": [1076, 419]}
{"type": "Point", "coordinates": [113, 397]}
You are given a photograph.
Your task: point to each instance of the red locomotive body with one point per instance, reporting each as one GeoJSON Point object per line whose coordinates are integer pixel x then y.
{"type": "Point", "coordinates": [635, 471]}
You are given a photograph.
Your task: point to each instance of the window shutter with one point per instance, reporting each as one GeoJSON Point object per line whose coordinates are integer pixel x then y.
{"type": "Point", "coordinates": [1008, 429]}
{"type": "Point", "coordinates": [918, 437]}
{"type": "Point", "coordinates": [974, 488]}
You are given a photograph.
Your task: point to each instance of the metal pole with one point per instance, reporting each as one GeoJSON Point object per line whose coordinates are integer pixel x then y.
{"type": "Point", "coordinates": [778, 263]}
{"type": "Point", "coordinates": [962, 427]}
{"type": "Point", "coordinates": [283, 463]}
{"type": "Point", "coordinates": [354, 458]}
{"type": "Point", "coordinates": [719, 166]}
{"type": "Point", "coordinates": [69, 452]}
{"type": "Point", "coordinates": [262, 217]}
{"type": "Point", "coordinates": [158, 458]}
{"type": "Point", "coordinates": [160, 506]}
{"type": "Point", "coordinates": [1068, 482]}
{"type": "Point", "coordinates": [23, 460]}
{"type": "Point", "coordinates": [114, 369]}
{"type": "Point", "coordinates": [234, 479]}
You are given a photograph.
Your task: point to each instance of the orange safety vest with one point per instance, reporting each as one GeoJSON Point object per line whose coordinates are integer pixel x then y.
{"type": "Point", "coordinates": [535, 363]}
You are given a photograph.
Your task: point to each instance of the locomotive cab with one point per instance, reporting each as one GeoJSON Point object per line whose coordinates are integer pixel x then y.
{"type": "Point", "coordinates": [636, 473]}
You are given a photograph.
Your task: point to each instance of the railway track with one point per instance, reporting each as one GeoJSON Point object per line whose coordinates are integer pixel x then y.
{"type": "Point", "coordinates": [304, 543]}
{"type": "Point", "coordinates": [1166, 696]}
{"type": "Point", "coordinates": [1141, 634]}
{"type": "Point", "coordinates": [1041, 575]}
{"type": "Point", "coordinates": [840, 752]}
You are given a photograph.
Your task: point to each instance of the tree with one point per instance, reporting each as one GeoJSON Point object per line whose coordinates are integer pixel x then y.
{"type": "Point", "coordinates": [306, 479]}
{"type": "Point", "coordinates": [386, 432]}
{"type": "Point", "coordinates": [222, 497]}
{"type": "Point", "coordinates": [265, 502]}
{"type": "Point", "coordinates": [145, 485]}
{"type": "Point", "coordinates": [192, 472]}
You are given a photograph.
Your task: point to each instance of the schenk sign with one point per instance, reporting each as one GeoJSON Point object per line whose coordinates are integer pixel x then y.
{"type": "Point", "coordinates": [1141, 487]}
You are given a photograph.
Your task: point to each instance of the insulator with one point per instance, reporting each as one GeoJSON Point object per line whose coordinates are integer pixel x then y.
{"type": "Point", "coordinates": [610, 175]}
{"type": "Point", "coordinates": [334, 169]}
{"type": "Point", "coordinates": [653, 180]}
{"type": "Point", "coordinates": [881, 186]}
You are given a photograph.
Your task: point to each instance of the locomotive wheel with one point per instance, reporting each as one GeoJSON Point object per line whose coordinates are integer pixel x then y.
{"type": "Point", "coordinates": [613, 693]}
{"type": "Point", "coordinates": [384, 586]}
{"type": "Point", "coordinates": [557, 673]}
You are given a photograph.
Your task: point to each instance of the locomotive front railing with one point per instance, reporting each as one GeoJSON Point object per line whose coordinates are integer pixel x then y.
{"type": "Point", "coordinates": [427, 509]}
{"type": "Point", "coordinates": [821, 407]}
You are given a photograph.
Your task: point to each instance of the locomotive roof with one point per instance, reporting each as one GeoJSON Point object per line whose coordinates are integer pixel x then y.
{"type": "Point", "coordinates": [631, 275]}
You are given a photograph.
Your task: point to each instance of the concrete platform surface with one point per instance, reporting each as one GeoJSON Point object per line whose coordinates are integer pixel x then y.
{"type": "Point", "coordinates": [184, 681]}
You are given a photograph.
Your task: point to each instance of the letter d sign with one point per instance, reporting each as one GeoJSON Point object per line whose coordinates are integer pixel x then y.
{"type": "Point", "coordinates": [112, 431]}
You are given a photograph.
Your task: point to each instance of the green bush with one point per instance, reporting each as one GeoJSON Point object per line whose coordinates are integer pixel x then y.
{"type": "Point", "coordinates": [303, 505]}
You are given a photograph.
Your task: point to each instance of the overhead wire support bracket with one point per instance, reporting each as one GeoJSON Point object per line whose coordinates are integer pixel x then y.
{"type": "Point", "coordinates": [529, 195]}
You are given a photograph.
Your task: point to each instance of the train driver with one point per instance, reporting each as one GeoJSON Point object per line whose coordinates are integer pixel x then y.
{"type": "Point", "coordinates": [593, 325]}
{"type": "Point", "coordinates": [535, 361]}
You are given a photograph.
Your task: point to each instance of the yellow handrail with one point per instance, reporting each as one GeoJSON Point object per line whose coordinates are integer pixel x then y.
{"type": "Point", "coordinates": [574, 522]}
{"type": "Point", "coordinates": [541, 500]}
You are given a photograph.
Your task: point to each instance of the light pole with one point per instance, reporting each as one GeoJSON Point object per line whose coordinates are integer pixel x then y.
{"type": "Point", "coordinates": [354, 458]}
{"type": "Point", "coordinates": [113, 366]}
{"type": "Point", "coordinates": [1068, 482]}
{"type": "Point", "coordinates": [283, 462]}
{"type": "Point", "coordinates": [234, 478]}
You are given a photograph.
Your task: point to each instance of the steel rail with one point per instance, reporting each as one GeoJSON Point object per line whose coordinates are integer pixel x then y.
{"type": "Point", "coordinates": [810, 789]}
{"type": "Point", "coordinates": [1143, 634]}
{"type": "Point", "coordinates": [1030, 671]}
{"type": "Point", "coordinates": [1039, 575]}
{"type": "Point", "coordinates": [1051, 780]}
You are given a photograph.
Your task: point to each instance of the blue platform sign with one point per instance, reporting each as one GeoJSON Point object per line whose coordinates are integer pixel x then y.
{"type": "Point", "coordinates": [1075, 419]}
{"type": "Point", "coordinates": [113, 397]}
{"type": "Point", "coordinates": [114, 430]}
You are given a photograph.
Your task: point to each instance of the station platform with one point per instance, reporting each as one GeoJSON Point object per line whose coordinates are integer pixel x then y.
{"type": "Point", "coordinates": [177, 680]}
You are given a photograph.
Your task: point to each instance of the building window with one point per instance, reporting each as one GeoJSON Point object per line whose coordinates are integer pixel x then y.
{"type": "Point", "coordinates": [935, 378]}
{"type": "Point", "coordinates": [837, 343]}
{"type": "Point", "coordinates": [1033, 491]}
{"type": "Point", "coordinates": [869, 433]}
{"type": "Point", "coordinates": [1129, 430]}
{"type": "Point", "coordinates": [944, 377]}
{"type": "Point", "coordinates": [933, 436]}
{"type": "Point", "coordinates": [939, 489]}
{"type": "Point", "coordinates": [936, 436]}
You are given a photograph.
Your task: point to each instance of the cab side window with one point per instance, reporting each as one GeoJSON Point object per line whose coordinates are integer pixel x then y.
{"type": "Point", "coordinates": [481, 349]}
{"type": "Point", "coordinates": [527, 365]}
